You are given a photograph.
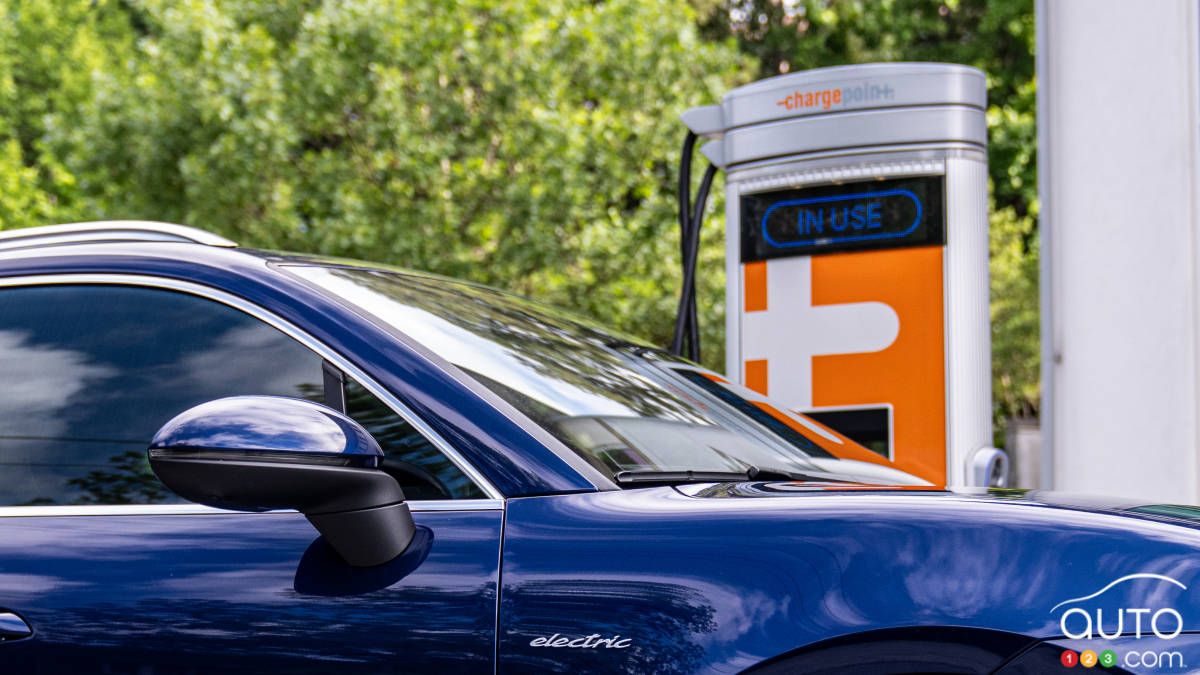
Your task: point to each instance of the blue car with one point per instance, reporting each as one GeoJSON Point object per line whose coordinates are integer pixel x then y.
{"type": "Point", "coordinates": [221, 459]}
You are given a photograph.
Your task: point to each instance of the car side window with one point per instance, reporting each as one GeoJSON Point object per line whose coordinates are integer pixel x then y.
{"type": "Point", "coordinates": [88, 374]}
{"type": "Point", "coordinates": [420, 468]}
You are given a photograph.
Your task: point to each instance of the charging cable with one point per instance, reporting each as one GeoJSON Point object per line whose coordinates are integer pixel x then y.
{"type": "Point", "coordinates": [691, 215]}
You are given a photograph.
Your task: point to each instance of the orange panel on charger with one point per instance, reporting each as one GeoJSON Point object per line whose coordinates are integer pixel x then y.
{"type": "Point", "coordinates": [909, 375]}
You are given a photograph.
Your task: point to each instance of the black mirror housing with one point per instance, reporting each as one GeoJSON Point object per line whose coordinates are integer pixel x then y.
{"type": "Point", "coordinates": [258, 453]}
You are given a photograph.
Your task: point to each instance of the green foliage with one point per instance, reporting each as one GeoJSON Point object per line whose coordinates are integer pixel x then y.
{"type": "Point", "coordinates": [1014, 280]}
{"type": "Point", "coordinates": [531, 146]}
{"type": "Point", "coordinates": [528, 145]}
{"type": "Point", "coordinates": [49, 50]}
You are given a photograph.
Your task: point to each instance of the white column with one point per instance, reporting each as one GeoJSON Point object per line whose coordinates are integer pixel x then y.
{"type": "Point", "coordinates": [1117, 108]}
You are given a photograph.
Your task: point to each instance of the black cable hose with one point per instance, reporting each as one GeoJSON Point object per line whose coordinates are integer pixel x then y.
{"type": "Point", "coordinates": [690, 285]}
{"type": "Point", "coordinates": [683, 194]}
{"type": "Point", "coordinates": [690, 219]}
{"type": "Point", "coordinates": [692, 322]}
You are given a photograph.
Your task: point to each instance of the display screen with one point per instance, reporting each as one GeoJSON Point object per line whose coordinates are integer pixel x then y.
{"type": "Point", "coordinates": [843, 217]}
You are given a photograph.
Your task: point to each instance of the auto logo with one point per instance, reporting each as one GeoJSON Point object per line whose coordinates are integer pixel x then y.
{"type": "Point", "coordinates": [1165, 622]}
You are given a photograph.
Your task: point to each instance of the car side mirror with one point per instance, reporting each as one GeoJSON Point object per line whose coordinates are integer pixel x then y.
{"type": "Point", "coordinates": [258, 453]}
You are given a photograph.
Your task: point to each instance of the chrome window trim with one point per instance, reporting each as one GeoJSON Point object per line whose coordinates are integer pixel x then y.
{"type": "Point", "coordinates": [416, 506]}
{"type": "Point", "coordinates": [264, 315]}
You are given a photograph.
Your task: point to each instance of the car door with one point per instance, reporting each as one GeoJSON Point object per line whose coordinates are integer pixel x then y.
{"type": "Point", "coordinates": [103, 569]}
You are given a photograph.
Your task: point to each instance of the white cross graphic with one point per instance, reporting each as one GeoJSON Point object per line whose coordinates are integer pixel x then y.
{"type": "Point", "coordinates": [791, 331]}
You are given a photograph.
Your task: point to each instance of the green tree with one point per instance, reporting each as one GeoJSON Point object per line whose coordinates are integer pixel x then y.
{"type": "Point", "coordinates": [531, 146]}
{"type": "Point", "coordinates": [49, 52]}
{"type": "Point", "coordinates": [1014, 281]}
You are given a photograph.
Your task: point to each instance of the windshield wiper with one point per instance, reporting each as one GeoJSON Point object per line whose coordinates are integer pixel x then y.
{"type": "Point", "coordinates": [656, 477]}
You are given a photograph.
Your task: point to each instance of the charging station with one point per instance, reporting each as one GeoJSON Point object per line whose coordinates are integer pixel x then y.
{"type": "Point", "coordinates": [857, 256]}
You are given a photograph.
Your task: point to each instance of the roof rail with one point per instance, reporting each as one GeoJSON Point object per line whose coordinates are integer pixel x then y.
{"type": "Point", "coordinates": [108, 230]}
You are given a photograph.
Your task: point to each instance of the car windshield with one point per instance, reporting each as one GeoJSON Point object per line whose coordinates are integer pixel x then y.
{"type": "Point", "coordinates": [627, 408]}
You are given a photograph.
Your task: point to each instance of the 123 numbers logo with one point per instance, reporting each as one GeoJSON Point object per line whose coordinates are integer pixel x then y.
{"type": "Point", "coordinates": [1088, 658]}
